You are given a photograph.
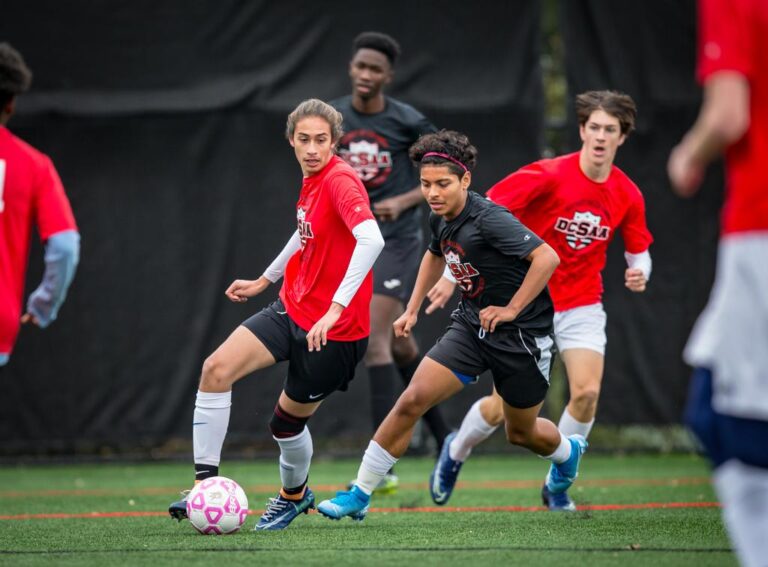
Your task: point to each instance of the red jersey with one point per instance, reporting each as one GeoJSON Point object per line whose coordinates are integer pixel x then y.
{"type": "Point", "coordinates": [331, 203]}
{"type": "Point", "coordinates": [30, 192]}
{"type": "Point", "coordinates": [732, 38]}
{"type": "Point", "coordinates": [577, 217]}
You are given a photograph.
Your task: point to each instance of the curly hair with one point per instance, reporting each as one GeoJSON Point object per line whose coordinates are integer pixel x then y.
{"type": "Point", "coordinates": [455, 147]}
{"type": "Point", "coordinates": [15, 76]}
{"type": "Point", "coordinates": [315, 107]}
{"type": "Point", "coordinates": [618, 105]}
{"type": "Point", "coordinates": [378, 41]}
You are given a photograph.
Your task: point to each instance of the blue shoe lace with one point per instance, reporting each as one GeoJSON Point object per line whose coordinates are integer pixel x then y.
{"type": "Point", "coordinates": [353, 503]}
{"type": "Point", "coordinates": [444, 474]}
{"type": "Point", "coordinates": [280, 511]}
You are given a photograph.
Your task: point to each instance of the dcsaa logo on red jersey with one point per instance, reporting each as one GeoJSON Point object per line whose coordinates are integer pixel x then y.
{"type": "Point", "coordinates": [581, 230]}
{"type": "Point", "coordinates": [304, 227]}
{"type": "Point", "coordinates": [462, 272]}
{"type": "Point", "coordinates": [369, 155]}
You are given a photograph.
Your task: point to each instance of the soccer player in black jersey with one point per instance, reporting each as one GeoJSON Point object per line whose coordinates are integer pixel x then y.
{"type": "Point", "coordinates": [503, 323]}
{"type": "Point", "coordinates": [378, 131]}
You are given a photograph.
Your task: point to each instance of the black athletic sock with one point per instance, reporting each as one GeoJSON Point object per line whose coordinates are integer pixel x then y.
{"type": "Point", "coordinates": [434, 417]}
{"type": "Point", "coordinates": [205, 471]}
{"type": "Point", "coordinates": [383, 380]}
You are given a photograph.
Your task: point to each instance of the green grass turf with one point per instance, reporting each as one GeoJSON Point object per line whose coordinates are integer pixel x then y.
{"type": "Point", "coordinates": [656, 536]}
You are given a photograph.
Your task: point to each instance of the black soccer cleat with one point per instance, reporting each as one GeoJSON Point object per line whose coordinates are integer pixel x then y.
{"type": "Point", "coordinates": [178, 510]}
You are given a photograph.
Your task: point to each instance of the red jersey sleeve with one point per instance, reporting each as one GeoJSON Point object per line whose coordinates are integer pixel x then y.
{"type": "Point", "coordinates": [52, 209]}
{"type": "Point", "coordinates": [350, 200]}
{"type": "Point", "coordinates": [725, 43]}
{"type": "Point", "coordinates": [634, 230]}
{"type": "Point", "coordinates": [519, 189]}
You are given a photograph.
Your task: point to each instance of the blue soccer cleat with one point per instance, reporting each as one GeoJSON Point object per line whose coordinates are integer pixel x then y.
{"type": "Point", "coordinates": [560, 477]}
{"type": "Point", "coordinates": [280, 511]}
{"type": "Point", "coordinates": [353, 503]}
{"type": "Point", "coordinates": [444, 474]}
{"type": "Point", "coordinates": [557, 502]}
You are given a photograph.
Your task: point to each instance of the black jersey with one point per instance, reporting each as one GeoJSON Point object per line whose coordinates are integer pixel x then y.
{"type": "Point", "coordinates": [485, 248]}
{"type": "Point", "coordinates": [376, 146]}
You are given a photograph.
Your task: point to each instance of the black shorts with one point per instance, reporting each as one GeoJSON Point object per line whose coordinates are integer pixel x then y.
{"type": "Point", "coordinates": [312, 376]}
{"type": "Point", "coordinates": [519, 361]}
{"type": "Point", "coordinates": [394, 272]}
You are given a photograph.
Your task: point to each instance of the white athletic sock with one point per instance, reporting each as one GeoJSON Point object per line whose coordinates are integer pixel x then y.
{"type": "Point", "coordinates": [295, 457]}
{"type": "Point", "coordinates": [562, 453]}
{"type": "Point", "coordinates": [743, 491]}
{"type": "Point", "coordinates": [209, 426]}
{"type": "Point", "coordinates": [569, 426]}
{"type": "Point", "coordinates": [376, 464]}
{"type": "Point", "coordinates": [473, 431]}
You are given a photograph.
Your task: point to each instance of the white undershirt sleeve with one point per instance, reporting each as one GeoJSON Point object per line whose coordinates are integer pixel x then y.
{"type": "Point", "coordinates": [369, 245]}
{"type": "Point", "coordinates": [641, 261]}
{"type": "Point", "coordinates": [276, 269]}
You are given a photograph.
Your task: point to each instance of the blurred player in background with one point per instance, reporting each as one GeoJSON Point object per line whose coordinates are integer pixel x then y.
{"type": "Point", "coordinates": [728, 401]}
{"type": "Point", "coordinates": [378, 130]}
{"type": "Point", "coordinates": [31, 193]}
{"type": "Point", "coordinates": [576, 203]}
{"type": "Point", "coordinates": [503, 323]}
{"type": "Point", "coordinates": [320, 324]}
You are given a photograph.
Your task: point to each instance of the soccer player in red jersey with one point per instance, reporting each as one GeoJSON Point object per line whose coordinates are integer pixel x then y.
{"type": "Point", "coordinates": [31, 193]}
{"type": "Point", "coordinates": [576, 203]}
{"type": "Point", "coordinates": [728, 400]}
{"type": "Point", "coordinates": [503, 323]}
{"type": "Point", "coordinates": [320, 324]}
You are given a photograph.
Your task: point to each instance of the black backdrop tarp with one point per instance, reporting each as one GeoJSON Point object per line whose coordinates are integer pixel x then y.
{"type": "Point", "coordinates": [166, 124]}
{"type": "Point", "coordinates": [648, 50]}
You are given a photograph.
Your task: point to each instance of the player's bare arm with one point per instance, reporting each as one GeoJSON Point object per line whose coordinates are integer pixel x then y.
{"type": "Point", "coordinates": [240, 290]}
{"type": "Point", "coordinates": [429, 272]}
{"type": "Point", "coordinates": [544, 260]}
{"type": "Point", "coordinates": [440, 293]}
{"type": "Point", "coordinates": [723, 120]}
{"type": "Point", "coordinates": [388, 210]}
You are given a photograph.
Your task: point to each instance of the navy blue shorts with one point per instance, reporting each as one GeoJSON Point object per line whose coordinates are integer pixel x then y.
{"type": "Point", "coordinates": [724, 437]}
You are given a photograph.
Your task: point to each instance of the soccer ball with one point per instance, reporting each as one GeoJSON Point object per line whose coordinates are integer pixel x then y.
{"type": "Point", "coordinates": [217, 506]}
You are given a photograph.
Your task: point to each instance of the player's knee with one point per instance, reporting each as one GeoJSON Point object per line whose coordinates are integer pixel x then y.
{"type": "Point", "coordinates": [404, 352]}
{"type": "Point", "coordinates": [492, 411]}
{"type": "Point", "coordinates": [518, 435]}
{"type": "Point", "coordinates": [283, 425]}
{"type": "Point", "coordinates": [216, 377]}
{"type": "Point", "coordinates": [586, 398]}
{"type": "Point", "coordinates": [411, 404]}
{"type": "Point", "coordinates": [379, 351]}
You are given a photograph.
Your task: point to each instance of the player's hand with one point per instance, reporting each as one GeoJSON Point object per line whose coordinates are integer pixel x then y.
{"type": "Point", "coordinates": [403, 325]}
{"type": "Point", "coordinates": [240, 290]}
{"type": "Point", "coordinates": [495, 314]}
{"type": "Point", "coordinates": [634, 280]}
{"type": "Point", "coordinates": [439, 295]}
{"type": "Point", "coordinates": [318, 334]}
{"type": "Point", "coordinates": [388, 210]}
{"type": "Point", "coordinates": [29, 318]}
{"type": "Point", "coordinates": [684, 173]}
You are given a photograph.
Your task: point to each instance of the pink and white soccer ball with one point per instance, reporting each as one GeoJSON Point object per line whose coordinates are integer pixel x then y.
{"type": "Point", "coordinates": [217, 506]}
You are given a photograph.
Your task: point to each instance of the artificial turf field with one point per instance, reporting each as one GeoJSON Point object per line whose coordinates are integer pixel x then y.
{"type": "Point", "coordinates": [634, 510]}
